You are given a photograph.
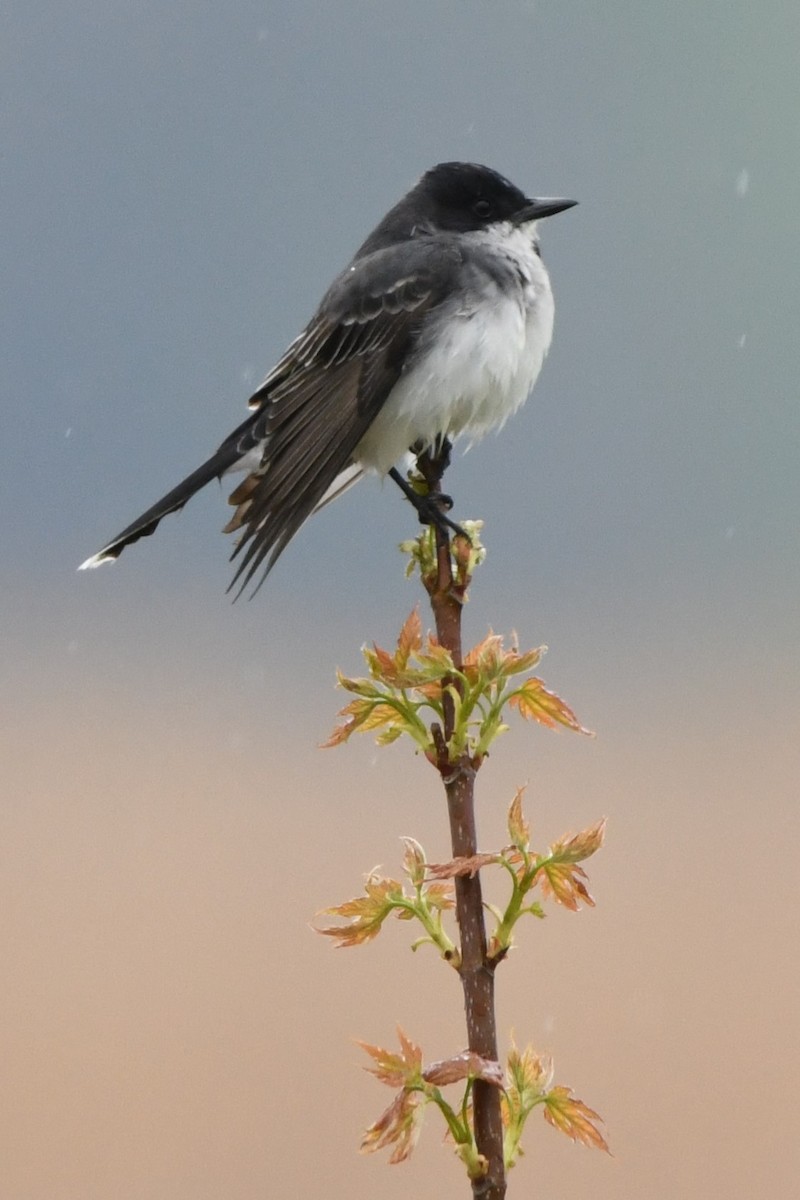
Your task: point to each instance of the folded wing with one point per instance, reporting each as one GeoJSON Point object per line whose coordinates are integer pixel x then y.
{"type": "Point", "coordinates": [317, 403]}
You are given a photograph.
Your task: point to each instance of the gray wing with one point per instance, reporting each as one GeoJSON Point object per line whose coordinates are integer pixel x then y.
{"type": "Point", "coordinates": [317, 403]}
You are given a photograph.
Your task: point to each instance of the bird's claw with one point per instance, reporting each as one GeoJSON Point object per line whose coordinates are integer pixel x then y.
{"type": "Point", "coordinates": [432, 510]}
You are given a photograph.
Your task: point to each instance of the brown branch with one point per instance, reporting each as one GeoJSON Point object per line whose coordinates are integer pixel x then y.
{"type": "Point", "coordinates": [476, 970]}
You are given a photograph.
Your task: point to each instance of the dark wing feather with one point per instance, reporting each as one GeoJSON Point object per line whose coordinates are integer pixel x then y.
{"type": "Point", "coordinates": [318, 402]}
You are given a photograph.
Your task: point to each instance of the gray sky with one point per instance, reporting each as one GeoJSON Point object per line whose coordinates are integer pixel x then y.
{"type": "Point", "coordinates": [180, 182]}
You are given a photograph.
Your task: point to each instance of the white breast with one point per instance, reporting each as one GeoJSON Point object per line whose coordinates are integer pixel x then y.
{"type": "Point", "coordinates": [482, 357]}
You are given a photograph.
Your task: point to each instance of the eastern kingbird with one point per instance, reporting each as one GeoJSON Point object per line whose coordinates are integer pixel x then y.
{"type": "Point", "coordinates": [437, 327]}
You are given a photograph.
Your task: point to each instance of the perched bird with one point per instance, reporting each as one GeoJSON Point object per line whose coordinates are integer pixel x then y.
{"type": "Point", "coordinates": [437, 327]}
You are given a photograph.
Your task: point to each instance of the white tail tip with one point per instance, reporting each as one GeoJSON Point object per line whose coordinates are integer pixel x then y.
{"type": "Point", "coordinates": [96, 560]}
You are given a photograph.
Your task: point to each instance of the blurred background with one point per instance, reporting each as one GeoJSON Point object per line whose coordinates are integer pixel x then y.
{"type": "Point", "coordinates": [180, 184]}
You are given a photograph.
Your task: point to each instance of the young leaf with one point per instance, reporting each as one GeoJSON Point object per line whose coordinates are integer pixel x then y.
{"type": "Point", "coordinates": [564, 882]}
{"type": "Point", "coordinates": [398, 1125]}
{"type": "Point", "coordinates": [516, 663]}
{"type": "Point", "coordinates": [440, 895]}
{"type": "Point", "coordinates": [366, 913]}
{"type": "Point", "coordinates": [464, 865]}
{"type": "Point", "coordinates": [464, 1066]}
{"type": "Point", "coordinates": [529, 1076]}
{"type": "Point", "coordinates": [364, 715]}
{"type": "Point", "coordinates": [381, 663]}
{"type": "Point", "coordinates": [559, 873]}
{"type": "Point", "coordinates": [410, 639]}
{"type": "Point", "coordinates": [393, 1069]}
{"type": "Point", "coordinates": [360, 715]}
{"type": "Point", "coordinates": [387, 736]}
{"type": "Point", "coordinates": [536, 703]}
{"type": "Point", "coordinates": [359, 687]}
{"type": "Point", "coordinates": [576, 847]}
{"type": "Point", "coordinates": [574, 1118]}
{"type": "Point", "coordinates": [486, 658]}
{"type": "Point", "coordinates": [518, 828]}
{"type": "Point", "coordinates": [435, 659]}
{"type": "Point", "coordinates": [414, 861]}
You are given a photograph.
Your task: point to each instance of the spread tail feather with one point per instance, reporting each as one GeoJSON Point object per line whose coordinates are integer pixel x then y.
{"type": "Point", "coordinates": [143, 526]}
{"type": "Point", "coordinates": [234, 453]}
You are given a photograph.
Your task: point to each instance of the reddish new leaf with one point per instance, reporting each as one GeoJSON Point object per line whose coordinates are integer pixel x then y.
{"type": "Point", "coordinates": [466, 1065]}
{"type": "Point", "coordinates": [574, 1118]}
{"type": "Point", "coordinates": [366, 913]}
{"type": "Point", "coordinates": [440, 895]}
{"type": "Point", "coordinates": [414, 860]}
{"type": "Point", "coordinates": [464, 865]}
{"type": "Point", "coordinates": [576, 847]}
{"type": "Point", "coordinates": [398, 1125]}
{"type": "Point", "coordinates": [560, 875]}
{"type": "Point", "coordinates": [381, 663]}
{"type": "Point", "coordinates": [362, 716]}
{"type": "Point", "coordinates": [564, 882]}
{"type": "Point", "coordinates": [518, 828]}
{"type": "Point", "coordinates": [487, 657]}
{"type": "Point", "coordinates": [393, 1069]}
{"type": "Point", "coordinates": [529, 1076]}
{"type": "Point", "coordinates": [410, 639]}
{"type": "Point", "coordinates": [536, 703]}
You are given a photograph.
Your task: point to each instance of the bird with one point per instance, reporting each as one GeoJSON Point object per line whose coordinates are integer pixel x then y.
{"type": "Point", "coordinates": [436, 328]}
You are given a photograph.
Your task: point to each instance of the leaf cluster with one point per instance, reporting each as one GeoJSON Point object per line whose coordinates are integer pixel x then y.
{"type": "Point", "coordinates": [424, 901]}
{"type": "Point", "coordinates": [556, 872]}
{"type": "Point", "coordinates": [465, 555]}
{"type": "Point", "coordinates": [526, 1084]}
{"type": "Point", "coordinates": [406, 691]}
{"type": "Point", "coordinates": [429, 893]}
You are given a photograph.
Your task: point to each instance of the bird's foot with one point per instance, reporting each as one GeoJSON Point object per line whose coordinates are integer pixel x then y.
{"type": "Point", "coordinates": [432, 507]}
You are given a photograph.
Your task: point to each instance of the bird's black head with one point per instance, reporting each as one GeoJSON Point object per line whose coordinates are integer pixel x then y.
{"type": "Point", "coordinates": [467, 196]}
{"type": "Point", "coordinates": [457, 197]}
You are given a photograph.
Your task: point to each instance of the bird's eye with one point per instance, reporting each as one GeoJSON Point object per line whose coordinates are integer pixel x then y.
{"type": "Point", "coordinates": [482, 208]}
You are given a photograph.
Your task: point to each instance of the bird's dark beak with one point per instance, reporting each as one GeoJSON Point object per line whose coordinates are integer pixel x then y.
{"type": "Point", "coordinates": [547, 206]}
